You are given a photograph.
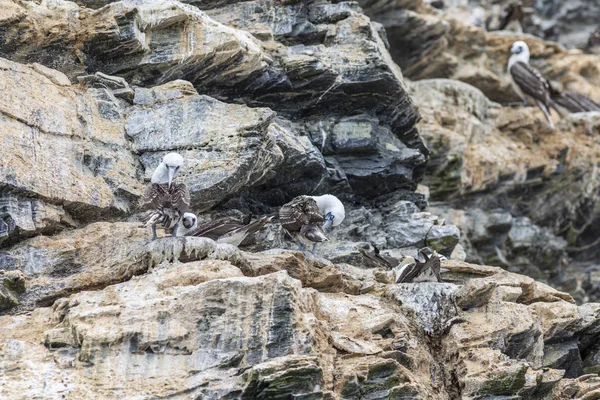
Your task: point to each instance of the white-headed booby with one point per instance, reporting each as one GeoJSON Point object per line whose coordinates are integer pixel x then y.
{"type": "Point", "coordinates": [528, 82]}
{"type": "Point", "coordinates": [168, 200]}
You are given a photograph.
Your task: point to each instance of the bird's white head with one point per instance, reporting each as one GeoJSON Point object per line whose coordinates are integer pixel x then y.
{"type": "Point", "coordinates": [167, 170]}
{"type": "Point", "coordinates": [332, 208]}
{"type": "Point", "coordinates": [520, 52]}
{"type": "Point", "coordinates": [189, 222]}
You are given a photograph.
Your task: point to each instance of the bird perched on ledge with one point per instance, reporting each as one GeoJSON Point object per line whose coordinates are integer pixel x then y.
{"type": "Point", "coordinates": [528, 82]}
{"type": "Point", "coordinates": [223, 230]}
{"type": "Point", "coordinates": [168, 200]}
{"type": "Point", "coordinates": [415, 271]}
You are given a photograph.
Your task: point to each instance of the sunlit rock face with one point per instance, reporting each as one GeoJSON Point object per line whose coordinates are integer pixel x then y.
{"type": "Point", "coordinates": [212, 321]}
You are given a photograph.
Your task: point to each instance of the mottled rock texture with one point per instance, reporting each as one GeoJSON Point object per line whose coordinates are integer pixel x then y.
{"type": "Point", "coordinates": [193, 319]}
{"type": "Point", "coordinates": [267, 100]}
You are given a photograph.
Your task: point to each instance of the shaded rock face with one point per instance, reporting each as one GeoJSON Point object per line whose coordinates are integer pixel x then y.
{"type": "Point", "coordinates": [315, 64]}
{"type": "Point", "coordinates": [62, 159]}
{"type": "Point", "coordinates": [568, 23]}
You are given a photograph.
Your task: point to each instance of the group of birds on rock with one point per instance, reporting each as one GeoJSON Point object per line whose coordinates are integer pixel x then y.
{"type": "Point", "coordinates": [306, 219]}
{"type": "Point", "coordinates": [530, 84]}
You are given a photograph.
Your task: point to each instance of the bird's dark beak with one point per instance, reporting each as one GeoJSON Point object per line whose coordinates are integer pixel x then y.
{"type": "Point", "coordinates": [171, 175]}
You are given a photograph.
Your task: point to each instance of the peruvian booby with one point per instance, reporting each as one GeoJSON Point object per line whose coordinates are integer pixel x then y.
{"type": "Point", "coordinates": [528, 82]}
{"type": "Point", "coordinates": [374, 259]}
{"type": "Point", "coordinates": [411, 270]}
{"type": "Point", "coordinates": [304, 221]}
{"type": "Point", "coordinates": [223, 230]}
{"type": "Point", "coordinates": [168, 200]}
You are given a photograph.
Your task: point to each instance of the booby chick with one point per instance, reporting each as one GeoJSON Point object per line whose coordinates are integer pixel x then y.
{"type": "Point", "coordinates": [304, 221]}
{"type": "Point", "coordinates": [528, 82]}
{"type": "Point", "coordinates": [189, 222]}
{"type": "Point", "coordinates": [168, 200]}
{"type": "Point", "coordinates": [411, 270]}
{"type": "Point", "coordinates": [223, 230]}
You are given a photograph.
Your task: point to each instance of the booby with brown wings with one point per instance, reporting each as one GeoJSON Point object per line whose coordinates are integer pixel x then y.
{"type": "Point", "coordinates": [528, 82]}
{"type": "Point", "coordinates": [167, 199]}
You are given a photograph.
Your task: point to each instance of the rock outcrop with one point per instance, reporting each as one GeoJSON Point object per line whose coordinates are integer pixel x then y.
{"type": "Point", "coordinates": [195, 319]}
{"type": "Point", "coordinates": [267, 100]}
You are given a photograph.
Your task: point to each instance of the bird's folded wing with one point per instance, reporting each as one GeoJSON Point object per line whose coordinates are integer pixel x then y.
{"type": "Point", "coordinates": [410, 272]}
{"type": "Point", "coordinates": [154, 196]}
{"type": "Point", "coordinates": [312, 212]}
{"type": "Point", "coordinates": [531, 81]}
{"type": "Point", "coordinates": [303, 210]}
{"type": "Point", "coordinates": [180, 198]}
{"type": "Point", "coordinates": [216, 228]}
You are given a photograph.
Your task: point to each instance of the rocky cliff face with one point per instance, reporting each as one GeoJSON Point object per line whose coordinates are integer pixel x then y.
{"type": "Point", "coordinates": [195, 319]}
{"type": "Point", "coordinates": [399, 108]}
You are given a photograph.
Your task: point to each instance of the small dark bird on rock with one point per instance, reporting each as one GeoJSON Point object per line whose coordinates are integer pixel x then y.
{"type": "Point", "coordinates": [304, 221]}
{"type": "Point", "coordinates": [223, 230]}
{"type": "Point", "coordinates": [167, 200]}
{"type": "Point", "coordinates": [528, 82]}
{"type": "Point", "coordinates": [374, 259]}
{"type": "Point", "coordinates": [416, 271]}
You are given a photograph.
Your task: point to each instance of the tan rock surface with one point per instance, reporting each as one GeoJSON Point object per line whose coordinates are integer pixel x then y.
{"type": "Point", "coordinates": [195, 318]}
